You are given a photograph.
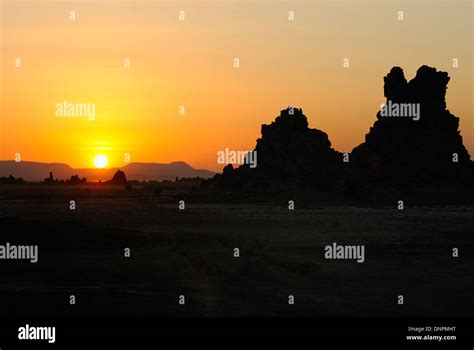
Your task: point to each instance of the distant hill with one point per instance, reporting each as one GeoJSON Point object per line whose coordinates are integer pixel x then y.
{"type": "Point", "coordinates": [36, 171]}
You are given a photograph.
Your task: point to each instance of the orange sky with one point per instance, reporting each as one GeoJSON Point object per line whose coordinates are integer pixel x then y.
{"type": "Point", "coordinates": [190, 63]}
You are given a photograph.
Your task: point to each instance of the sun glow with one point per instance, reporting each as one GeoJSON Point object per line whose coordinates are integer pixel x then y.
{"type": "Point", "coordinates": [100, 161]}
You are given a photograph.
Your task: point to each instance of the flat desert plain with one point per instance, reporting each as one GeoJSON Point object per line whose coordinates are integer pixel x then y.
{"type": "Point", "coordinates": [192, 253]}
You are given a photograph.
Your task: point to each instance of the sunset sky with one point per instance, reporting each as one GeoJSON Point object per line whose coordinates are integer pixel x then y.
{"type": "Point", "coordinates": [190, 63]}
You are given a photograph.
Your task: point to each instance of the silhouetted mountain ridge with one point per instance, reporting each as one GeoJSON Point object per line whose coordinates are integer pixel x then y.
{"type": "Point", "coordinates": [37, 171]}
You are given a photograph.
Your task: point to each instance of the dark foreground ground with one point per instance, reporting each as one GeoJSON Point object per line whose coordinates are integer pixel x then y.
{"type": "Point", "coordinates": [190, 252]}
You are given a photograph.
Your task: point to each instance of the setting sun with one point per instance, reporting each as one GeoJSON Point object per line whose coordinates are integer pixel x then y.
{"type": "Point", "coordinates": [100, 161]}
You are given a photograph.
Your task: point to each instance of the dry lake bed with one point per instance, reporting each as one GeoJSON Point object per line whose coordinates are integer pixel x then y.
{"type": "Point", "coordinates": [192, 253]}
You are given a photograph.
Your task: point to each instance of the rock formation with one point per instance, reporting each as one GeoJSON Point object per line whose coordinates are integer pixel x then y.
{"type": "Point", "coordinates": [415, 142]}
{"type": "Point", "coordinates": [289, 154]}
{"type": "Point", "coordinates": [405, 150]}
{"type": "Point", "coordinates": [119, 178]}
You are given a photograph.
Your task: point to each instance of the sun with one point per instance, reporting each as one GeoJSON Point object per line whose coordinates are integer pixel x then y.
{"type": "Point", "coordinates": [101, 161]}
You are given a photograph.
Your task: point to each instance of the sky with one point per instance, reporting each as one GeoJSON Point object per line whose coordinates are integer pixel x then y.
{"type": "Point", "coordinates": [181, 98]}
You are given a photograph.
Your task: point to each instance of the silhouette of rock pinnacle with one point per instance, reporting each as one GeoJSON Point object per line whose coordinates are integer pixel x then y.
{"type": "Point", "coordinates": [119, 178]}
{"type": "Point", "coordinates": [397, 149]}
{"type": "Point", "coordinates": [288, 152]}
